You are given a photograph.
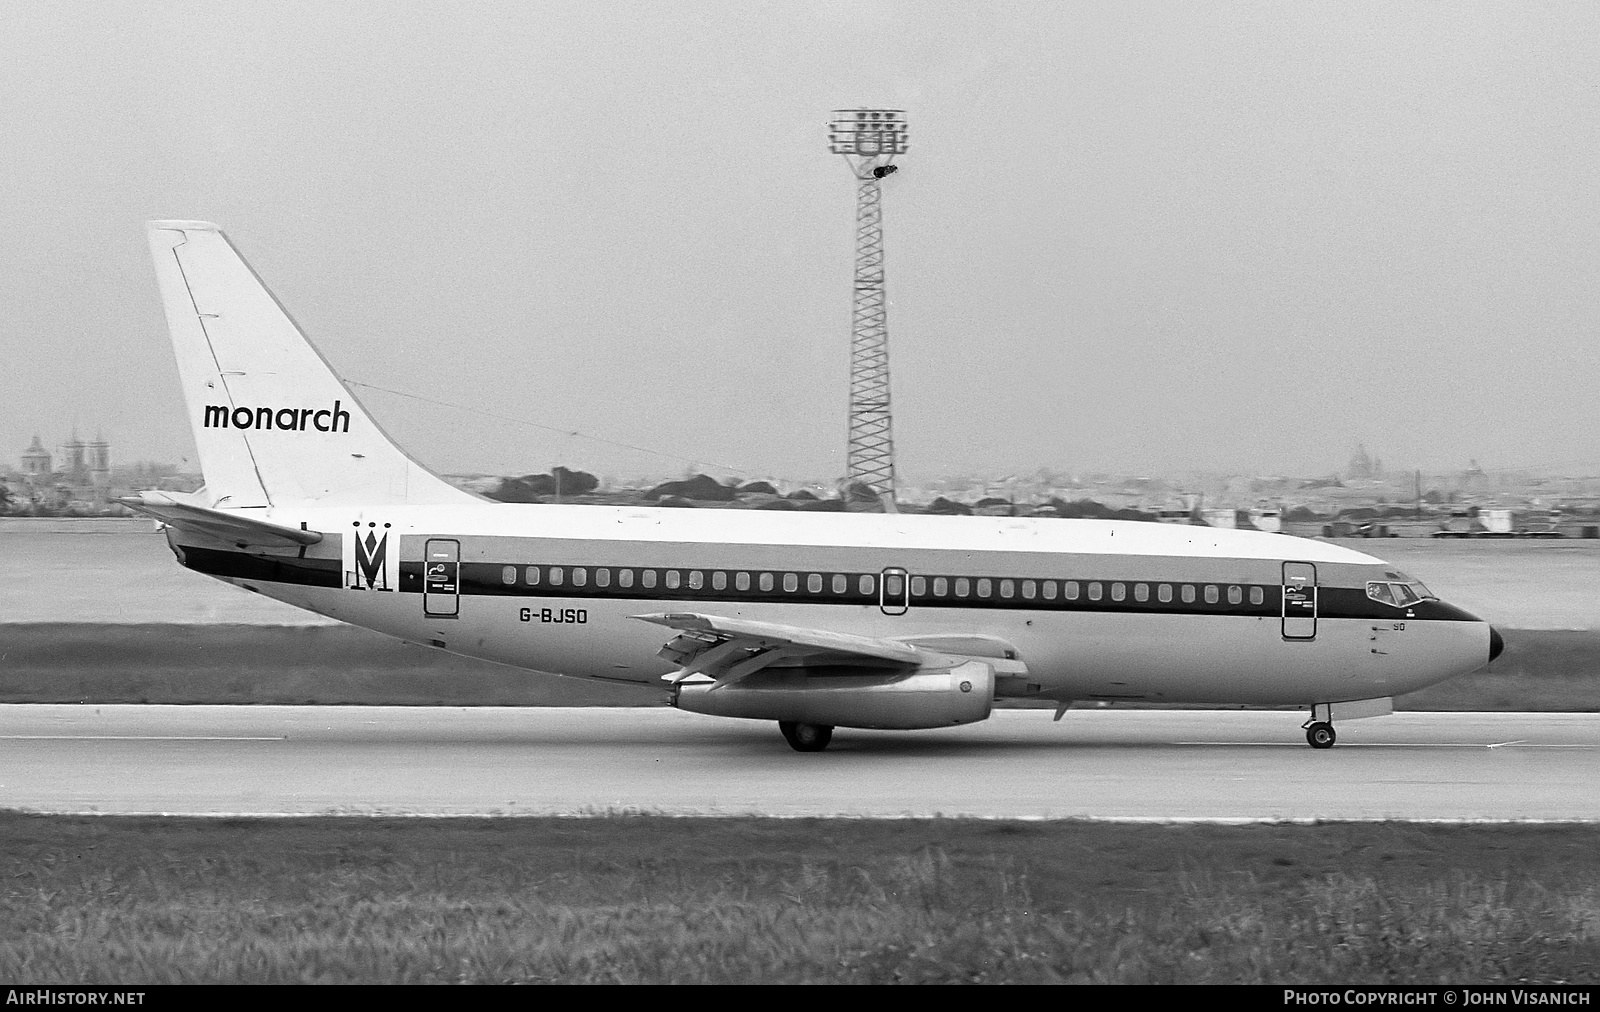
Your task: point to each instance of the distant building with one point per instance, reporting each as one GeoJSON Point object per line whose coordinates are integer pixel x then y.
{"type": "Point", "coordinates": [72, 455]}
{"type": "Point", "coordinates": [1363, 467]}
{"type": "Point", "coordinates": [80, 471]}
{"type": "Point", "coordinates": [36, 459]}
{"type": "Point", "coordinates": [86, 464]}
{"type": "Point", "coordinates": [99, 462]}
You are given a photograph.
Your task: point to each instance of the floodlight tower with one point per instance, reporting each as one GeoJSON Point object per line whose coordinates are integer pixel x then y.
{"type": "Point", "coordinates": [869, 139]}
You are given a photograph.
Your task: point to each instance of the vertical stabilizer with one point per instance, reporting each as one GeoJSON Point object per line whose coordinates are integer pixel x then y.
{"type": "Point", "coordinates": [273, 424]}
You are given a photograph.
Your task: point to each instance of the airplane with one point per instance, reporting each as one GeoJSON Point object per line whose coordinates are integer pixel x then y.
{"type": "Point", "coordinates": [811, 620]}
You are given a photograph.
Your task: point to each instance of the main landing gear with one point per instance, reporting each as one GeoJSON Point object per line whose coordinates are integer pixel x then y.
{"type": "Point", "coordinates": [1320, 734]}
{"type": "Point", "coordinates": [806, 737]}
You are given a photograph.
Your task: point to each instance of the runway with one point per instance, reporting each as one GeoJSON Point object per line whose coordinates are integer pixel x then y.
{"type": "Point", "coordinates": [1218, 766]}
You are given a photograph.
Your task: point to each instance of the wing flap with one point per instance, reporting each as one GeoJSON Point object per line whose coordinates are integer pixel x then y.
{"type": "Point", "coordinates": [727, 649]}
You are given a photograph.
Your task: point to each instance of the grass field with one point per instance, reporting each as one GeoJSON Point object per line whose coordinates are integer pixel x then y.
{"type": "Point", "coordinates": [1542, 669]}
{"type": "Point", "coordinates": [637, 899]}
{"type": "Point", "coordinates": [291, 665]}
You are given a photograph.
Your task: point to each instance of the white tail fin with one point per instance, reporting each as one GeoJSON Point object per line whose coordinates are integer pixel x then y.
{"type": "Point", "coordinates": [273, 424]}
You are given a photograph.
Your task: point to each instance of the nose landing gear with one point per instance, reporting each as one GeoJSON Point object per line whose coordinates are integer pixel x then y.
{"type": "Point", "coordinates": [1319, 726]}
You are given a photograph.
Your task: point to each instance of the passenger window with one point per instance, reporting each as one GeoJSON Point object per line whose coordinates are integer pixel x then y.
{"type": "Point", "coordinates": [1188, 593]}
{"type": "Point", "coordinates": [963, 586]}
{"type": "Point", "coordinates": [555, 576]}
{"type": "Point", "coordinates": [1235, 595]}
{"type": "Point", "coordinates": [1029, 589]}
{"type": "Point", "coordinates": [1380, 592]}
{"type": "Point", "coordinates": [814, 583]}
{"type": "Point", "coordinates": [766, 581]}
{"type": "Point", "coordinates": [919, 586]}
{"type": "Point", "coordinates": [1008, 588]}
{"type": "Point", "coordinates": [508, 575]}
{"type": "Point", "coordinates": [1257, 596]}
{"type": "Point", "coordinates": [984, 587]}
{"type": "Point", "coordinates": [674, 579]}
{"type": "Point", "coordinates": [864, 586]}
{"type": "Point", "coordinates": [602, 578]}
{"type": "Point", "coordinates": [791, 582]}
{"type": "Point", "coordinates": [1141, 592]}
{"type": "Point", "coordinates": [1049, 590]}
{"type": "Point", "coordinates": [741, 581]}
{"type": "Point", "coordinates": [1211, 593]}
{"type": "Point", "coordinates": [1071, 590]}
{"type": "Point", "coordinates": [1164, 593]}
{"type": "Point", "coordinates": [697, 579]}
{"type": "Point", "coordinates": [625, 578]}
{"type": "Point", "coordinates": [531, 576]}
{"type": "Point", "coordinates": [647, 579]}
{"type": "Point", "coordinates": [580, 577]}
{"type": "Point", "coordinates": [719, 581]}
{"type": "Point", "coordinates": [1094, 591]}
{"type": "Point", "coordinates": [1118, 592]}
{"type": "Point", "coordinates": [841, 583]}
{"type": "Point", "coordinates": [941, 586]}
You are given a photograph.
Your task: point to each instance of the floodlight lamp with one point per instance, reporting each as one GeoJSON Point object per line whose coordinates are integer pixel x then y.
{"type": "Point", "coordinates": [868, 133]}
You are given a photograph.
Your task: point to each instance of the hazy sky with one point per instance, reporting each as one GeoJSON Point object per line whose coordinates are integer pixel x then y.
{"type": "Point", "coordinates": [1135, 237]}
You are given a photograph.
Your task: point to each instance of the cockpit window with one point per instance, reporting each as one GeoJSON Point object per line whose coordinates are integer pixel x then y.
{"type": "Point", "coordinates": [1398, 595]}
{"type": "Point", "coordinates": [1404, 596]}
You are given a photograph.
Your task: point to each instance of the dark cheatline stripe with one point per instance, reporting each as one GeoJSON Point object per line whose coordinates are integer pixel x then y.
{"type": "Point", "coordinates": [1439, 611]}
{"type": "Point", "coordinates": [266, 568]}
{"type": "Point", "coordinates": [483, 579]}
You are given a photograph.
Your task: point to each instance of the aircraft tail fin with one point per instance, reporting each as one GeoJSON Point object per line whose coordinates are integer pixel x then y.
{"type": "Point", "coordinates": [273, 424]}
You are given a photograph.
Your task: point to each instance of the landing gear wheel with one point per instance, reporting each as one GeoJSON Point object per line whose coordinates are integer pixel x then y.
{"type": "Point", "coordinates": [1320, 735]}
{"type": "Point", "coordinates": [806, 737]}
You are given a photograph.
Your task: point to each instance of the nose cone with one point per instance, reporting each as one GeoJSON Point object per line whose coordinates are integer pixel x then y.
{"type": "Point", "coordinates": [1496, 644]}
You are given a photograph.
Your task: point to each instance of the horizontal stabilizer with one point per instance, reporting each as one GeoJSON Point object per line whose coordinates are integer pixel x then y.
{"type": "Point", "coordinates": [232, 527]}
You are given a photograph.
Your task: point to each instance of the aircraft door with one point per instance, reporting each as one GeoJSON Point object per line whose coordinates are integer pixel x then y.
{"type": "Point", "coordinates": [441, 578]}
{"type": "Point", "coordinates": [1299, 601]}
{"type": "Point", "coordinates": [894, 591]}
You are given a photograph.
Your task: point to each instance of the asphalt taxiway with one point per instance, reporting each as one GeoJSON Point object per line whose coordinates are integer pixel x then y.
{"type": "Point", "coordinates": [1103, 764]}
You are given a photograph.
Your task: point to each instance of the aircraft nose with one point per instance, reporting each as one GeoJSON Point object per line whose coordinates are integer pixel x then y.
{"type": "Point", "coordinates": [1496, 643]}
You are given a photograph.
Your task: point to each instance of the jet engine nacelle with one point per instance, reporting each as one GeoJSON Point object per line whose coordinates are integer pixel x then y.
{"type": "Point", "coordinates": [959, 693]}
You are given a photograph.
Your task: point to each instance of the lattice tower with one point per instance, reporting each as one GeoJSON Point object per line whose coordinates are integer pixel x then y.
{"type": "Point", "coordinates": [869, 139]}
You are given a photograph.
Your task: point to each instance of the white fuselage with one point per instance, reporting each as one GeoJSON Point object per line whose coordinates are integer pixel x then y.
{"type": "Point", "coordinates": [1156, 612]}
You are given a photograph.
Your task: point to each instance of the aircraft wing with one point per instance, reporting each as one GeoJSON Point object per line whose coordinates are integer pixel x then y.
{"type": "Point", "coordinates": [229, 526]}
{"type": "Point", "coordinates": [728, 649]}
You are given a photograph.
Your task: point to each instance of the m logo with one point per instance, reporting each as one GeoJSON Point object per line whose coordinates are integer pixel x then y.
{"type": "Point", "coordinates": [371, 558]}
